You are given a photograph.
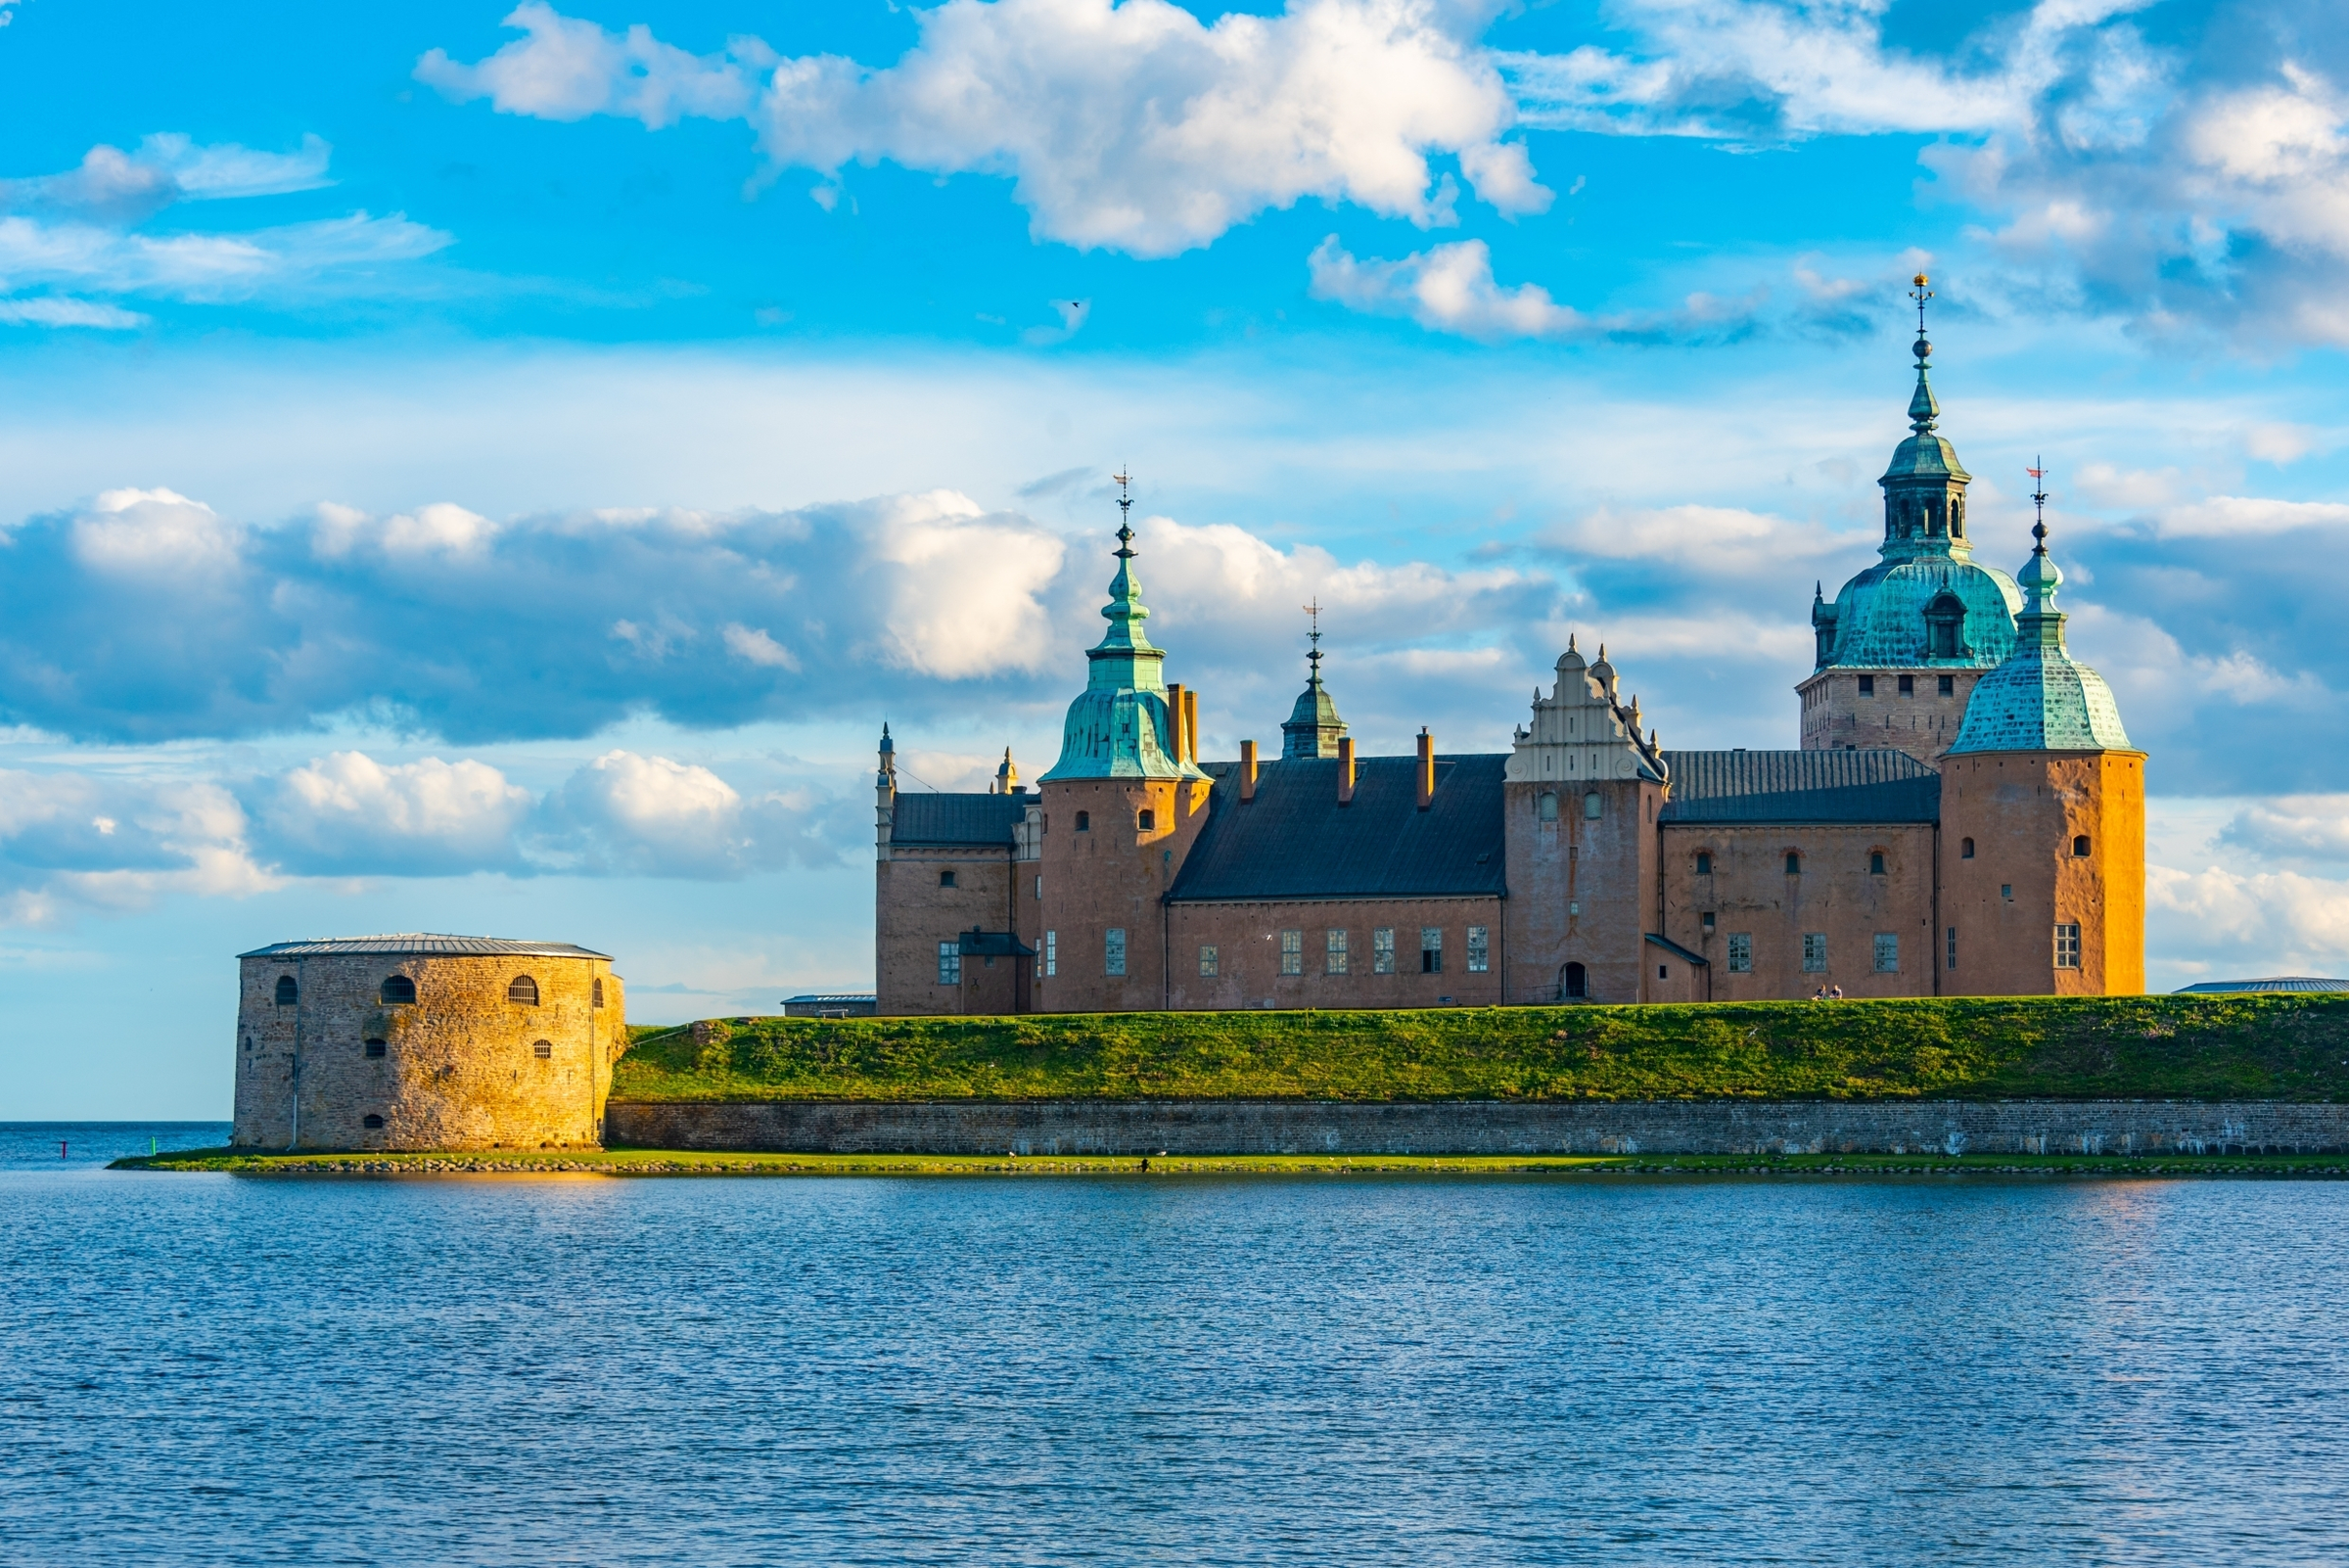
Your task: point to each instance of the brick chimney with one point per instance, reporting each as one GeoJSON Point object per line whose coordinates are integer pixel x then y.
{"type": "Point", "coordinates": [1248, 770]}
{"type": "Point", "coordinates": [1175, 696]}
{"type": "Point", "coordinates": [1427, 769]}
{"type": "Point", "coordinates": [1346, 770]}
{"type": "Point", "coordinates": [1191, 724]}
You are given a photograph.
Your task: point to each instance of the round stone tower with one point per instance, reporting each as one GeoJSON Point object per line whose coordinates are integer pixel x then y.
{"type": "Point", "coordinates": [424, 1042]}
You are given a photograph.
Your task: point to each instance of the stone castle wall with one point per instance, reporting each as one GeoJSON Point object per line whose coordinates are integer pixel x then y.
{"type": "Point", "coordinates": [1924, 723]}
{"type": "Point", "coordinates": [1834, 895]}
{"type": "Point", "coordinates": [1650, 1127]}
{"type": "Point", "coordinates": [458, 1068]}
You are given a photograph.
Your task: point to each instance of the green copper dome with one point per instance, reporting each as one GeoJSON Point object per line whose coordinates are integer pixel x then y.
{"type": "Point", "coordinates": [1120, 725]}
{"type": "Point", "coordinates": [1314, 728]}
{"type": "Point", "coordinates": [2040, 699]}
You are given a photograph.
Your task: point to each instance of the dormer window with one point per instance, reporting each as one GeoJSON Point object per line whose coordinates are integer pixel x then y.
{"type": "Point", "coordinates": [1945, 627]}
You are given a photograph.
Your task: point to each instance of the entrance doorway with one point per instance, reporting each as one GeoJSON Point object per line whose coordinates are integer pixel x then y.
{"type": "Point", "coordinates": [1575, 984]}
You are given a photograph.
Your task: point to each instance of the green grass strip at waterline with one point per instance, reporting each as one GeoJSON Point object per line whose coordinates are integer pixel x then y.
{"type": "Point", "coordinates": [2292, 1046]}
{"type": "Point", "coordinates": [691, 1163]}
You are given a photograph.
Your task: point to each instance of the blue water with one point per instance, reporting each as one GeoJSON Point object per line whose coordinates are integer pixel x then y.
{"type": "Point", "coordinates": [1155, 1370]}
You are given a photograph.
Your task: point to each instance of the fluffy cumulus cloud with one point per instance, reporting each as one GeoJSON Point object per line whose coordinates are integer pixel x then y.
{"type": "Point", "coordinates": [650, 817]}
{"type": "Point", "coordinates": [1133, 127]}
{"type": "Point", "coordinates": [78, 840]}
{"type": "Point", "coordinates": [349, 813]}
{"type": "Point", "coordinates": [2237, 923]}
{"type": "Point", "coordinates": [70, 235]}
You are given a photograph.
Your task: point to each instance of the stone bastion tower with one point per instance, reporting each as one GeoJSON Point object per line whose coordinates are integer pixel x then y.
{"type": "Point", "coordinates": [1901, 646]}
{"type": "Point", "coordinates": [423, 1042]}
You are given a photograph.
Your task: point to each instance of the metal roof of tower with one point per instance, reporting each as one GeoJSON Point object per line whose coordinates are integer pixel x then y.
{"type": "Point", "coordinates": [423, 944]}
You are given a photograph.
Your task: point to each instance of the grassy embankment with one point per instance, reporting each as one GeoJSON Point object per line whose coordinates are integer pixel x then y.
{"type": "Point", "coordinates": [2271, 1048]}
{"type": "Point", "coordinates": [670, 1162]}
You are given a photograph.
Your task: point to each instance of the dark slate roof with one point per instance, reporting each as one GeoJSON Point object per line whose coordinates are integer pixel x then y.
{"type": "Point", "coordinates": [958, 819]}
{"type": "Point", "coordinates": [2221, 987]}
{"type": "Point", "coordinates": [1679, 951]}
{"type": "Point", "coordinates": [994, 944]}
{"type": "Point", "coordinates": [1809, 787]}
{"type": "Point", "coordinates": [1295, 841]}
{"type": "Point", "coordinates": [423, 943]}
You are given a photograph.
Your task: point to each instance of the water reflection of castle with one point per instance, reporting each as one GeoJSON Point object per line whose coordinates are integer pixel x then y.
{"type": "Point", "coordinates": [1965, 816]}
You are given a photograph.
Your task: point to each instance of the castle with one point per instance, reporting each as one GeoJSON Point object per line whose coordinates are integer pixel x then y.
{"type": "Point", "coordinates": [1966, 815]}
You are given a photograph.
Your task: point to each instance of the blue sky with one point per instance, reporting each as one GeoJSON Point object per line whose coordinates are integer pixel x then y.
{"type": "Point", "coordinates": [477, 469]}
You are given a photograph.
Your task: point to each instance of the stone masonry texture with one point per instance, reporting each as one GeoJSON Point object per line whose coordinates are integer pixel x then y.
{"type": "Point", "coordinates": [1653, 1127]}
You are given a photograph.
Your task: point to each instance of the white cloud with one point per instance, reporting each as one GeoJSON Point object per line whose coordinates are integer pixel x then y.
{"type": "Point", "coordinates": [629, 814]}
{"type": "Point", "coordinates": [2236, 516]}
{"type": "Point", "coordinates": [2247, 924]}
{"type": "Point", "coordinates": [156, 532]}
{"type": "Point", "coordinates": [568, 69]}
{"type": "Point", "coordinates": [72, 842]}
{"type": "Point", "coordinates": [1716, 540]}
{"type": "Point", "coordinates": [962, 589]}
{"type": "Point", "coordinates": [167, 167]}
{"type": "Point", "coordinates": [52, 311]}
{"type": "Point", "coordinates": [2315, 826]}
{"type": "Point", "coordinates": [753, 645]}
{"type": "Point", "coordinates": [1130, 127]}
{"type": "Point", "coordinates": [347, 812]}
{"type": "Point", "coordinates": [206, 267]}
{"type": "Point", "coordinates": [1448, 287]}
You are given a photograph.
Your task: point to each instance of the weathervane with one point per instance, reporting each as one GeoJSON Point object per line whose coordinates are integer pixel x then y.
{"type": "Point", "coordinates": [1313, 611]}
{"type": "Point", "coordinates": [1920, 294]}
{"type": "Point", "coordinates": [1125, 514]}
{"type": "Point", "coordinates": [2038, 506]}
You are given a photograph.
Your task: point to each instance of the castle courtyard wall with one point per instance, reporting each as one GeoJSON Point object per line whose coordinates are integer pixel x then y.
{"type": "Point", "coordinates": [1247, 939]}
{"type": "Point", "coordinates": [1835, 894]}
{"type": "Point", "coordinates": [914, 912]}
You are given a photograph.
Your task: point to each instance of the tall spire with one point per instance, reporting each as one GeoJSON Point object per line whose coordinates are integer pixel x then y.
{"type": "Point", "coordinates": [1313, 727]}
{"type": "Point", "coordinates": [1923, 409]}
{"type": "Point", "coordinates": [2041, 624]}
{"type": "Point", "coordinates": [1125, 611]}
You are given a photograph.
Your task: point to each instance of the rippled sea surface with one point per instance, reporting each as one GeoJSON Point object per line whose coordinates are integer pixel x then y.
{"type": "Point", "coordinates": [1163, 1370]}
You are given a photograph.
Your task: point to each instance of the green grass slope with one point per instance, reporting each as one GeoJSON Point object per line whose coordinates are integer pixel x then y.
{"type": "Point", "coordinates": [2282, 1047]}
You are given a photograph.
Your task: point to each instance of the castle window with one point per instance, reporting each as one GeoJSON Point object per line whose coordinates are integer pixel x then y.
{"type": "Point", "coordinates": [1051, 952]}
{"type": "Point", "coordinates": [2080, 847]}
{"type": "Point", "coordinates": [1292, 953]}
{"type": "Point", "coordinates": [1908, 685]}
{"type": "Point", "coordinates": [1148, 821]}
{"type": "Point", "coordinates": [1704, 862]}
{"type": "Point", "coordinates": [1663, 971]}
{"type": "Point", "coordinates": [1431, 950]}
{"type": "Point", "coordinates": [1593, 805]}
{"type": "Point", "coordinates": [1575, 983]}
{"type": "Point", "coordinates": [2006, 890]}
{"type": "Point", "coordinates": [595, 992]}
{"type": "Point", "coordinates": [1547, 807]}
{"type": "Point", "coordinates": [375, 1047]}
{"type": "Point", "coordinates": [1335, 957]}
{"type": "Point", "coordinates": [1949, 685]}
{"type": "Point", "coordinates": [1708, 919]}
{"type": "Point", "coordinates": [1794, 862]}
{"type": "Point", "coordinates": [1084, 821]}
{"type": "Point", "coordinates": [1742, 953]}
{"type": "Point", "coordinates": [1382, 950]}
{"type": "Point", "coordinates": [1876, 862]}
{"type": "Point", "coordinates": [1953, 947]}
{"type": "Point", "coordinates": [1480, 950]}
{"type": "Point", "coordinates": [1112, 951]}
{"type": "Point", "coordinates": [288, 993]}
{"type": "Point", "coordinates": [372, 1122]}
{"type": "Point", "coordinates": [1888, 952]}
{"type": "Point", "coordinates": [522, 990]}
{"type": "Point", "coordinates": [1867, 685]}
{"type": "Point", "coordinates": [1965, 850]}
{"type": "Point", "coordinates": [1207, 958]}
{"type": "Point", "coordinates": [544, 1049]}
{"type": "Point", "coordinates": [1040, 889]}
{"type": "Point", "coordinates": [1945, 627]}
{"type": "Point", "coordinates": [949, 963]}
{"type": "Point", "coordinates": [398, 988]}
{"type": "Point", "coordinates": [1815, 953]}
{"type": "Point", "coordinates": [946, 879]}
{"type": "Point", "coordinates": [2067, 946]}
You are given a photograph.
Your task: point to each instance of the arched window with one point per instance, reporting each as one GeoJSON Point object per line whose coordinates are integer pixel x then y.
{"type": "Point", "coordinates": [288, 993]}
{"type": "Point", "coordinates": [524, 989]}
{"type": "Point", "coordinates": [1547, 809]}
{"type": "Point", "coordinates": [398, 988]}
{"type": "Point", "coordinates": [1945, 627]}
{"type": "Point", "coordinates": [1704, 863]}
{"type": "Point", "coordinates": [1965, 850]}
{"type": "Point", "coordinates": [598, 997]}
{"type": "Point", "coordinates": [1575, 981]}
{"type": "Point", "coordinates": [1147, 822]}
{"type": "Point", "coordinates": [2080, 847]}
{"type": "Point", "coordinates": [1084, 821]}
{"type": "Point", "coordinates": [1876, 862]}
{"type": "Point", "coordinates": [1794, 862]}
{"type": "Point", "coordinates": [544, 1049]}
{"type": "Point", "coordinates": [1593, 805]}
{"type": "Point", "coordinates": [375, 1047]}
{"type": "Point", "coordinates": [371, 1121]}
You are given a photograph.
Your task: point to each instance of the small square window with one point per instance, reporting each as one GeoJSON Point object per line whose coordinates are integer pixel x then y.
{"type": "Point", "coordinates": [2080, 847]}
{"type": "Point", "coordinates": [1112, 951]}
{"type": "Point", "coordinates": [1908, 685]}
{"type": "Point", "coordinates": [1382, 950]}
{"type": "Point", "coordinates": [1888, 952]}
{"type": "Point", "coordinates": [371, 1121]}
{"type": "Point", "coordinates": [375, 1047]}
{"type": "Point", "coordinates": [1876, 862]}
{"type": "Point", "coordinates": [2006, 890]}
{"type": "Point", "coordinates": [946, 879]}
{"type": "Point", "coordinates": [2067, 946]}
{"type": "Point", "coordinates": [544, 1049]}
{"type": "Point", "coordinates": [1708, 919]}
{"type": "Point", "coordinates": [1207, 958]}
{"type": "Point", "coordinates": [1292, 953]}
{"type": "Point", "coordinates": [1742, 953]}
{"type": "Point", "coordinates": [1815, 953]}
{"type": "Point", "coordinates": [1431, 950]}
{"type": "Point", "coordinates": [1867, 685]}
{"type": "Point", "coordinates": [1663, 971]}
{"type": "Point", "coordinates": [1335, 957]}
{"type": "Point", "coordinates": [1948, 685]}
{"type": "Point", "coordinates": [949, 963]}
{"type": "Point", "coordinates": [1147, 822]}
{"type": "Point", "coordinates": [1480, 950]}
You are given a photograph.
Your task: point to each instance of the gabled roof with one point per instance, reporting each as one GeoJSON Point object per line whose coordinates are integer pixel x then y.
{"type": "Point", "coordinates": [423, 943]}
{"type": "Point", "coordinates": [959, 820]}
{"type": "Point", "coordinates": [1810, 787]}
{"type": "Point", "coordinates": [1295, 841]}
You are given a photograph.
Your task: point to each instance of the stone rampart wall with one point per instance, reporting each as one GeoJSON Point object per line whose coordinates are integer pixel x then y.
{"type": "Point", "coordinates": [1651, 1126]}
